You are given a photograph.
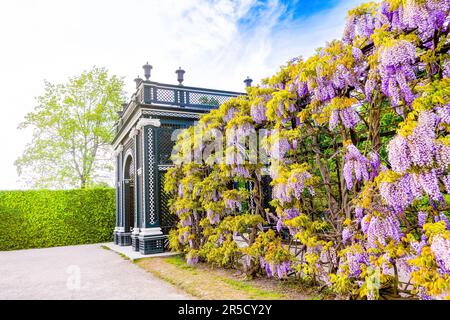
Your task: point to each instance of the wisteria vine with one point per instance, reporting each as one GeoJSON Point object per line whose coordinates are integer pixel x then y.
{"type": "Point", "coordinates": [355, 141]}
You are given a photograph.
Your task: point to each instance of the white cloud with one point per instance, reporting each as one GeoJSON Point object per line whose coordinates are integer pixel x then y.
{"type": "Point", "coordinates": [50, 39]}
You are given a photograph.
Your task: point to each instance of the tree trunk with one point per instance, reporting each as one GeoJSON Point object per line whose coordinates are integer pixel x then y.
{"type": "Point", "coordinates": [374, 126]}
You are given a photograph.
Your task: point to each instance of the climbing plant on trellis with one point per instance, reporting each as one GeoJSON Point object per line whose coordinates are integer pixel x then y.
{"type": "Point", "coordinates": [357, 138]}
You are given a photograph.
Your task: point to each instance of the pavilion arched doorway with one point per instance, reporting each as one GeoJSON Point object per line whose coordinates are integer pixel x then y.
{"type": "Point", "coordinates": [129, 204]}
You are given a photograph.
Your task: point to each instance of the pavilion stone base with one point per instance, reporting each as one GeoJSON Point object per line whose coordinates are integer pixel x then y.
{"type": "Point", "coordinates": [151, 240]}
{"type": "Point", "coordinates": [135, 241]}
{"type": "Point", "coordinates": [151, 243]}
{"type": "Point", "coordinates": [122, 238]}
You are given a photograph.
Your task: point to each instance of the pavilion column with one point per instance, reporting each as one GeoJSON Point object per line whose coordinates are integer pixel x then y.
{"type": "Point", "coordinates": [151, 239]}
{"type": "Point", "coordinates": [117, 184]}
{"type": "Point", "coordinates": [135, 136]}
{"type": "Point", "coordinates": [119, 230]}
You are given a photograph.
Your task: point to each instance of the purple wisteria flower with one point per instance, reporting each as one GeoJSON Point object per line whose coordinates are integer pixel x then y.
{"type": "Point", "coordinates": [280, 192]}
{"type": "Point", "coordinates": [365, 223]}
{"type": "Point", "coordinates": [441, 249]}
{"type": "Point", "coordinates": [279, 225]}
{"type": "Point", "coordinates": [183, 238]}
{"type": "Point", "coordinates": [422, 218]}
{"type": "Point", "coordinates": [359, 213]}
{"type": "Point", "coordinates": [230, 114]}
{"type": "Point", "coordinates": [446, 180]}
{"type": "Point", "coordinates": [291, 213]}
{"type": "Point", "coordinates": [430, 185]}
{"type": "Point", "coordinates": [233, 204]}
{"type": "Point", "coordinates": [361, 25]}
{"type": "Point", "coordinates": [446, 69]}
{"type": "Point", "coordinates": [348, 116]}
{"type": "Point", "coordinates": [443, 217]}
{"type": "Point", "coordinates": [380, 230]}
{"type": "Point", "coordinates": [399, 154]}
{"type": "Point", "coordinates": [297, 183]}
{"type": "Point", "coordinates": [375, 164]}
{"type": "Point", "coordinates": [241, 171]}
{"type": "Point", "coordinates": [244, 130]}
{"type": "Point", "coordinates": [191, 259]}
{"type": "Point", "coordinates": [279, 270]}
{"type": "Point", "coordinates": [258, 112]}
{"type": "Point", "coordinates": [212, 216]}
{"type": "Point", "coordinates": [370, 85]}
{"type": "Point", "coordinates": [354, 261]}
{"type": "Point", "coordinates": [357, 53]}
{"type": "Point", "coordinates": [426, 17]}
{"type": "Point", "coordinates": [419, 148]}
{"type": "Point", "coordinates": [442, 156]}
{"type": "Point", "coordinates": [355, 162]}
{"type": "Point", "coordinates": [186, 222]}
{"type": "Point", "coordinates": [418, 246]}
{"type": "Point", "coordinates": [181, 211]}
{"type": "Point", "coordinates": [346, 234]}
{"type": "Point", "coordinates": [443, 113]}
{"type": "Point", "coordinates": [396, 68]}
{"type": "Point", "coordinates": [302, 88]}
{"type": "Point", "coordinates": [279, 148]}
{"type": "Point", "coordinates": [334, 119]}
{"type": "Point", "coordinates": [402, 192]}
{"type": "Point", "coordinates": [421, 141]}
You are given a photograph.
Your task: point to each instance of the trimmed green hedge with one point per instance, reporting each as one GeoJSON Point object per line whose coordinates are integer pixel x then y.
{"type": "Point", "coordinates": [48, 218]}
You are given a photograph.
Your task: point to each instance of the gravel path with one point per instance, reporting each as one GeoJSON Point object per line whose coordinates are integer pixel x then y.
{"type": "Point", "coordinates": [78, 272]}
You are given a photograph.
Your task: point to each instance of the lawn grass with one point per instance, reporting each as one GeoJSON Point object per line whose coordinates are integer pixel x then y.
{"type": "Point", "coordinates": [254, 292]}
{"type": "Point", "coordinates": [203, 282]}
{"type": "Point", "coordinates": [179, 262]}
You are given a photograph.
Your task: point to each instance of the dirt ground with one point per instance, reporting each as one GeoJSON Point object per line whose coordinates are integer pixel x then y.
{"type": "Point", "coordinates": [204, 282]}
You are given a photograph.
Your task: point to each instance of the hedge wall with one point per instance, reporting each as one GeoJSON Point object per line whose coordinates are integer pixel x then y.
{"type": "Point", "coordinates": [48, 218]}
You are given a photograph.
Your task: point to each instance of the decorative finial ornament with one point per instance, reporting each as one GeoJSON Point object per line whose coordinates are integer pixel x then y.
{"type": "Point", "coordinates": [180, 72]}
{"type": "Point", "coordinates": [138, 81]}
{"type": "Point", "coordinates": [147, 70]}
{"type": "Point", "coordinates": [248, 82]}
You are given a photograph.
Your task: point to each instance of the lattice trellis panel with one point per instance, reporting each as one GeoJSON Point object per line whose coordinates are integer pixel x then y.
{"type": "Point", "coordinates": [206, 99]}
{"type": "Point", "coordinates": [167, 219]}
{"type": "Point", "coordinates": [132, 170]}
{"type": "Point", "coordinates": [165, 145]}
{"type": "Point", "coordinates": [164, 95]}
{"type": "Point", "coordinates": [267, 191]}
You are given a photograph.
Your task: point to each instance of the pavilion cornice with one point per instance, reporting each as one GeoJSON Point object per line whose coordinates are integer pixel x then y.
{"type": "Point", "coordinates": [179, 98]}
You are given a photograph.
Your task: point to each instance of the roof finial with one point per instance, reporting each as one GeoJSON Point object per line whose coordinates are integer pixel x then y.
{"type": "Point", "coordinates": [180, 72]}
{"type": "Point", "coordinates": [248, 82]}
{"type": "Point", "coordinates": [147, 71]}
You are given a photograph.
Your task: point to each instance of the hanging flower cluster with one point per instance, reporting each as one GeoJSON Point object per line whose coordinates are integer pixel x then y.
{"type": "Point", "coordinates": [425, 16]}
{"type": "Point", "coordinates": [362, 22]}
{"type": "Point", "coordinates": [380, 230]}
{"type": "Point", "coordinates": [290, 184]}
{"type": "Point", "coordinates": [356, 163]}
{"type": "Point", "coordinates": [396, 68]}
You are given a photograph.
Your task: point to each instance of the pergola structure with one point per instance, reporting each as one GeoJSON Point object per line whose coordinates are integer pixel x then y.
{"type": "Point", "coordinates": [142, 148]}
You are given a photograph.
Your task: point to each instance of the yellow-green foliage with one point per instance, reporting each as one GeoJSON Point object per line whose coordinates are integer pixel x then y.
{"type": "Point", "coordinates": [220, 248]}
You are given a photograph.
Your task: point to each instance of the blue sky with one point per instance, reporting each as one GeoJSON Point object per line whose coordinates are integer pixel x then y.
{"type": "Point", "coordinates": [298, 9]}
{"type": "Point", "coordinates": [294, 10]}
{"type": "Point", "coordinates": [217, 42]}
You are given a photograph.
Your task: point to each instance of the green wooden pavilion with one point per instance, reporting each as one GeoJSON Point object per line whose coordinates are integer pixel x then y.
{"type": "Point", "coordinates": [142, 148]}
